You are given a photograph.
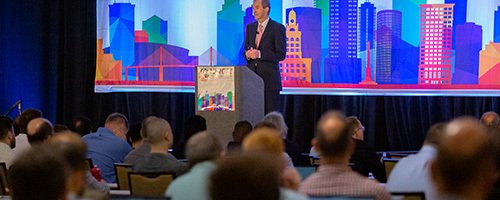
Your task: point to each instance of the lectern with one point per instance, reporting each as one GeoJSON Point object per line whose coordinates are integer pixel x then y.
{"type": "Point", "coordinates": [226, 95]}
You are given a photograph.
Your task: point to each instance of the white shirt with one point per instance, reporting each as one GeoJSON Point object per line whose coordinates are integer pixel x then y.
{"type": "Point", "coordinates": [6, 154]}
{"type": "Point", "coordinates": [22, 145]}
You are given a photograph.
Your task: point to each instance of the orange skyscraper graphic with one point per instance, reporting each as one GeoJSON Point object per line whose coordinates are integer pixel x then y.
{"type": "Point", "coordinates": [294, 67]}
{"type": "Point", "coordinates": [489, 64]}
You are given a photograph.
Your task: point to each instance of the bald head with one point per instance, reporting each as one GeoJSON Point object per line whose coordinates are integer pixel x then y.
{"type": "Point", "coordinates": [39, 130]}
{"type": "Point", "coordinates": [464, 162]}
{"type": "Point", "coordinates": [332, 136]}
{"type": "Point", "coordinates": [490, 119]}
{"type": "Point", "coordinates": [158, 131]}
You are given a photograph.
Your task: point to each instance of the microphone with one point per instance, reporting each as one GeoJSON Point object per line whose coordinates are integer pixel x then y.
{"type": "Point", "coordinates": [18, 104]}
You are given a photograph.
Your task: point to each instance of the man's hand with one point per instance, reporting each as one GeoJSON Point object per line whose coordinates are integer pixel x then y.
{"type": "Point", "coordinates": [252, 53]}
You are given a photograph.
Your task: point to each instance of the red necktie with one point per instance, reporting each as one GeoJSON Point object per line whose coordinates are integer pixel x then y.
{"type": "Point", "coordinates": [259, 35]}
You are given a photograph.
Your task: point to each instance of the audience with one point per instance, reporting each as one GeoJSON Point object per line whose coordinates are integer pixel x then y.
{"type": "Point", "coordinates": [108, 145]}
{"type": "Point", "coordinates": [7, 140]}
{"type": "Point", "coordinates": [412, 173]}
{"type": "Point", "coordinates": [21, 123]}
{"type": "Point", "coordinates": [193, 125]}
{"type": "Point", "coordinates": [247, 177]}
{"type": "Point", "coordinates": [39, 173]}
{"type": "Point", "coordinates": [291, 148]}
{"type": "Point", "coordinates": [334, 176]}
{"type": "Point", "coordinates": [81, 125]}
{"type": "Point", "coordinates": [134, 137]}
{"type": "Point", "coordinates": [160, 137]}
{"type": "Point", "coordinates": [142, 150]}
{"type": "Point", "coordinates": [267, 141]}
{"type": "Point", "coordinates": [74, 152]}
{"type": "Point", "coordinates": [39, 130]}
{"type": "Point", "coordinates": [464, 167]}
{"type": "Point", "coordinates": [241, 130]}
{"type": "Point", "coordinates": [58, 128]}
{"type": "Point", "coordinates": [364, 158]}
{"type": "Point", "coordinates": [202, 151]}
{"type": "Point", "coordinates": [490, 119]}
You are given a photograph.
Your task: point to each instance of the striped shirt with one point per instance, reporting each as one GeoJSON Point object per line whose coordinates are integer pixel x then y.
{"type": "Point", "coordinates": [340, 180]}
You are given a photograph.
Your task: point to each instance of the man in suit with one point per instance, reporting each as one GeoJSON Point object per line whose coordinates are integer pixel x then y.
{"type": "Point", "coordinates": [265, 46]}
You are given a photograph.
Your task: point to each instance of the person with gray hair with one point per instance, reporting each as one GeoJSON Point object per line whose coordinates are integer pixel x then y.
{"type": "Point", "coordinates": [291, 148]}
{"type": "Point", "coordinates": [202, 150]}
{"type": "Point", "coordinates": [159, 134]}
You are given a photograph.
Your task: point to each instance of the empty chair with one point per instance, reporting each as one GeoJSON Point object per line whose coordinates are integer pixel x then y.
{"type": "Point", "coordinates": [389, 164]}
{"type": "Point", "coordinates": [143, 184]}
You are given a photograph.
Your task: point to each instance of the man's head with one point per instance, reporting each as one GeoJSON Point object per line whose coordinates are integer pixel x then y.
{"type": "Point", "coordinates": [241, 130]}
{"type": "Point", "coordinates": [39, 130]}
{"type": "Point", "coordinates": [7, 131]}
{"type": "Point", "coordinates": [355, 128]}
{"type": "Point", "coordinates": [81, 125]}
{"type": "Point", "coordinates": [203, 147]}
{"type": "Point", "coordinates": [464, 164]}
{"type": "Point", "coordinates": [490, 119]}
{"type": "Point", "coordinates": [118, 124]}
{"type": "Point", "coordinates": [277, 119]}
{"type": "Point", "coordinates": [26, 117]}
{"type": "Point", "coordinates": [332, 138]}
{"type": "Point", "coordinates": [246, 177]}
{"type": "Point", "coordinates": [264, 140]}
{"type": "Point", "coordinates": [261, 9]}
{"type": "Point", "coordinates": [39, 173]}
{"type": "Point", "coordinates": [158, 132]}
{"type": "Point", "coordinates": [74, 152]}
{"type": "Point", "coordinates": [435, 134]}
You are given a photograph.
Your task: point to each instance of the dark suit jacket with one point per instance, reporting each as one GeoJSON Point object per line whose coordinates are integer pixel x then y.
{"type": "Point", "coordinates": [272, 50]}
{"type": "Point", "coordinates": [365, 160]}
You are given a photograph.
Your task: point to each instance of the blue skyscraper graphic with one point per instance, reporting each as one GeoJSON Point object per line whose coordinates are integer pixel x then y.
{"type": "Point", "coordinates": [121, 33]}
{"type": "Point", "coordinates": [410, 10]}
{"type": "Point", "coordinates": [342, 64]}
{"type": "Point", "coordinates": [459, 16]}
{"type": "Point", "coordinates": [496, 30]}
{"type": "Point", "coordinates": [366, 25]}
{"type": "Point", "coordinates": [309, 20]}
{"type": "Point", "coordinates": [469, 43]}
{"type": "Point", "coordinates": [229, 33]}
{"type": "Point", "coordinates": [388, 46]}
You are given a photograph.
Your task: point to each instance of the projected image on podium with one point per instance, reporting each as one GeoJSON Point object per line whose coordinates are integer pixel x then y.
{"type": "Point", "coordinates": [353, 47]}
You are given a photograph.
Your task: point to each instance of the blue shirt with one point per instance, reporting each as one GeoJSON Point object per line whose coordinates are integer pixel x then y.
{"type": "Point", "coordinates": [105, 149]}
{"type": "Point", "coordinates": [412, 173]}
{"type": "Point", "coordinates": [193, 185]}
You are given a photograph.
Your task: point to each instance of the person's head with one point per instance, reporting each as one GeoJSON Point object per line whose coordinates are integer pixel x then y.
{"type": "Point", "coordinates": [261, 9]}
{"type": "Point", "coordinates": [25, 117]}
{"type": "Point", "coordinates": [81, 125]}
{"type": "Point", "coordinates": [434, 134]}
{"type": "Point", "coordinates": [265, 124]}
{"type": "Point", "coordinates": [39, 130]}
{"type": "Point", "coordinates": [333, 141]}
{"type": "Point", "coordinates": [134, 137]}
{"type": "Point", "coordinates": [193, 125]}
{"type": "Point", "coordinates": [7, 131]}
{"type": "Point", "coordinates": [464, 164]}
{"type": "Point", "coordinates": [118, 124]}
{"type": "Point", "coordinates": [355, 128]}
{"type": "Point", "coordinates": [246, 177]}
{"type": "Point", "coordinates": [277, 119]}
{"type": "Point", "coordinates": [39, 173]}
{"type": "Point", "coordinates": [241, 130]}
{"type": "Point", "coordinates": [202, 147]}
{"type": "Point", "coordinates": [264, 140]}
{"type": "Point", "coordinates": [490, 119]}
{"type": "Point", "coordinates": [158, 132]}
{"type": "Point", "coordinates": [74, 152]}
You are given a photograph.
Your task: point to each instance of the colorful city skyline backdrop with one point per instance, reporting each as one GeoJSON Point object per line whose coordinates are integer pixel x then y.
{"type": "Point", "coordinates": [363, 45]}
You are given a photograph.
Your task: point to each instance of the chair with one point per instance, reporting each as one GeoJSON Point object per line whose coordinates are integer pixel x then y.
{"type": "Point", "coordinates": [4, 184]}
{"type": "Point", "coordinates": [407, 196]}
{"type": "Point", "coordinates": [121, 173]}
{"type": "Point", "coordinates": [147, 184]}
{"type": "Point", "coordinates": [389, 164]}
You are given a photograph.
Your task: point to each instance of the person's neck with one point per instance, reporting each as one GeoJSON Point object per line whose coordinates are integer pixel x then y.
{"type": "Point", "coordinates": [263, 19]}
{"type": "Point", "coordinates": [334, 160]}
{"type": "Point", "coordinates": [159, 148]}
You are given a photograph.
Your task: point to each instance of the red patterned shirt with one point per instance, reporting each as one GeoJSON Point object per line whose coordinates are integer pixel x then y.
{"type": "Point", "coordinates": [340, 180]}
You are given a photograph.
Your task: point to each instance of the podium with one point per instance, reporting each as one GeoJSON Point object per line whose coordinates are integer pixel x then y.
{"type": "Point", "coordinates": [226, 95]}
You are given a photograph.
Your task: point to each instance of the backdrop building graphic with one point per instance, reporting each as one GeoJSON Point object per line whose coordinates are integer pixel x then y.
{"type": "Point", "coordinates": [157, 29]}
{"type": "Point", "coordinates": [122, 31]}
{"type": "Point", "coordinates": [229, 28]}
{"type": "Point", "coordinates": [294, 67]}
{"type": "Point", "coordinates": [410, 10]}
{"type": "Point", "coordinates": [367, 24]}
{"type": "Point", "coordinates": [388, 46]}
{"type": "Point", "coordinates": [435, 44]}
{"type": "Point", "coordinates": [496, 31]}
{"type": "Point", "coordinates": [470, 37]}
{"type": "Point", "coordinates": [459, 16]}
{"type": "Point", "coordinates": [489, 64]}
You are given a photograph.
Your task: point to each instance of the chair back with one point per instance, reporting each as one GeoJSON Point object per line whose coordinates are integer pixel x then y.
{"type": "Point", "coordinates": [407, 196]}
{"type": "Point", "coordinates": [121, 171]}
{"type": "Point", "coordinates": [148, 184]}
{"type": "Point", "coordinates": [389, 164]}
{"type": "Point", "coordinates": [4, 184]}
